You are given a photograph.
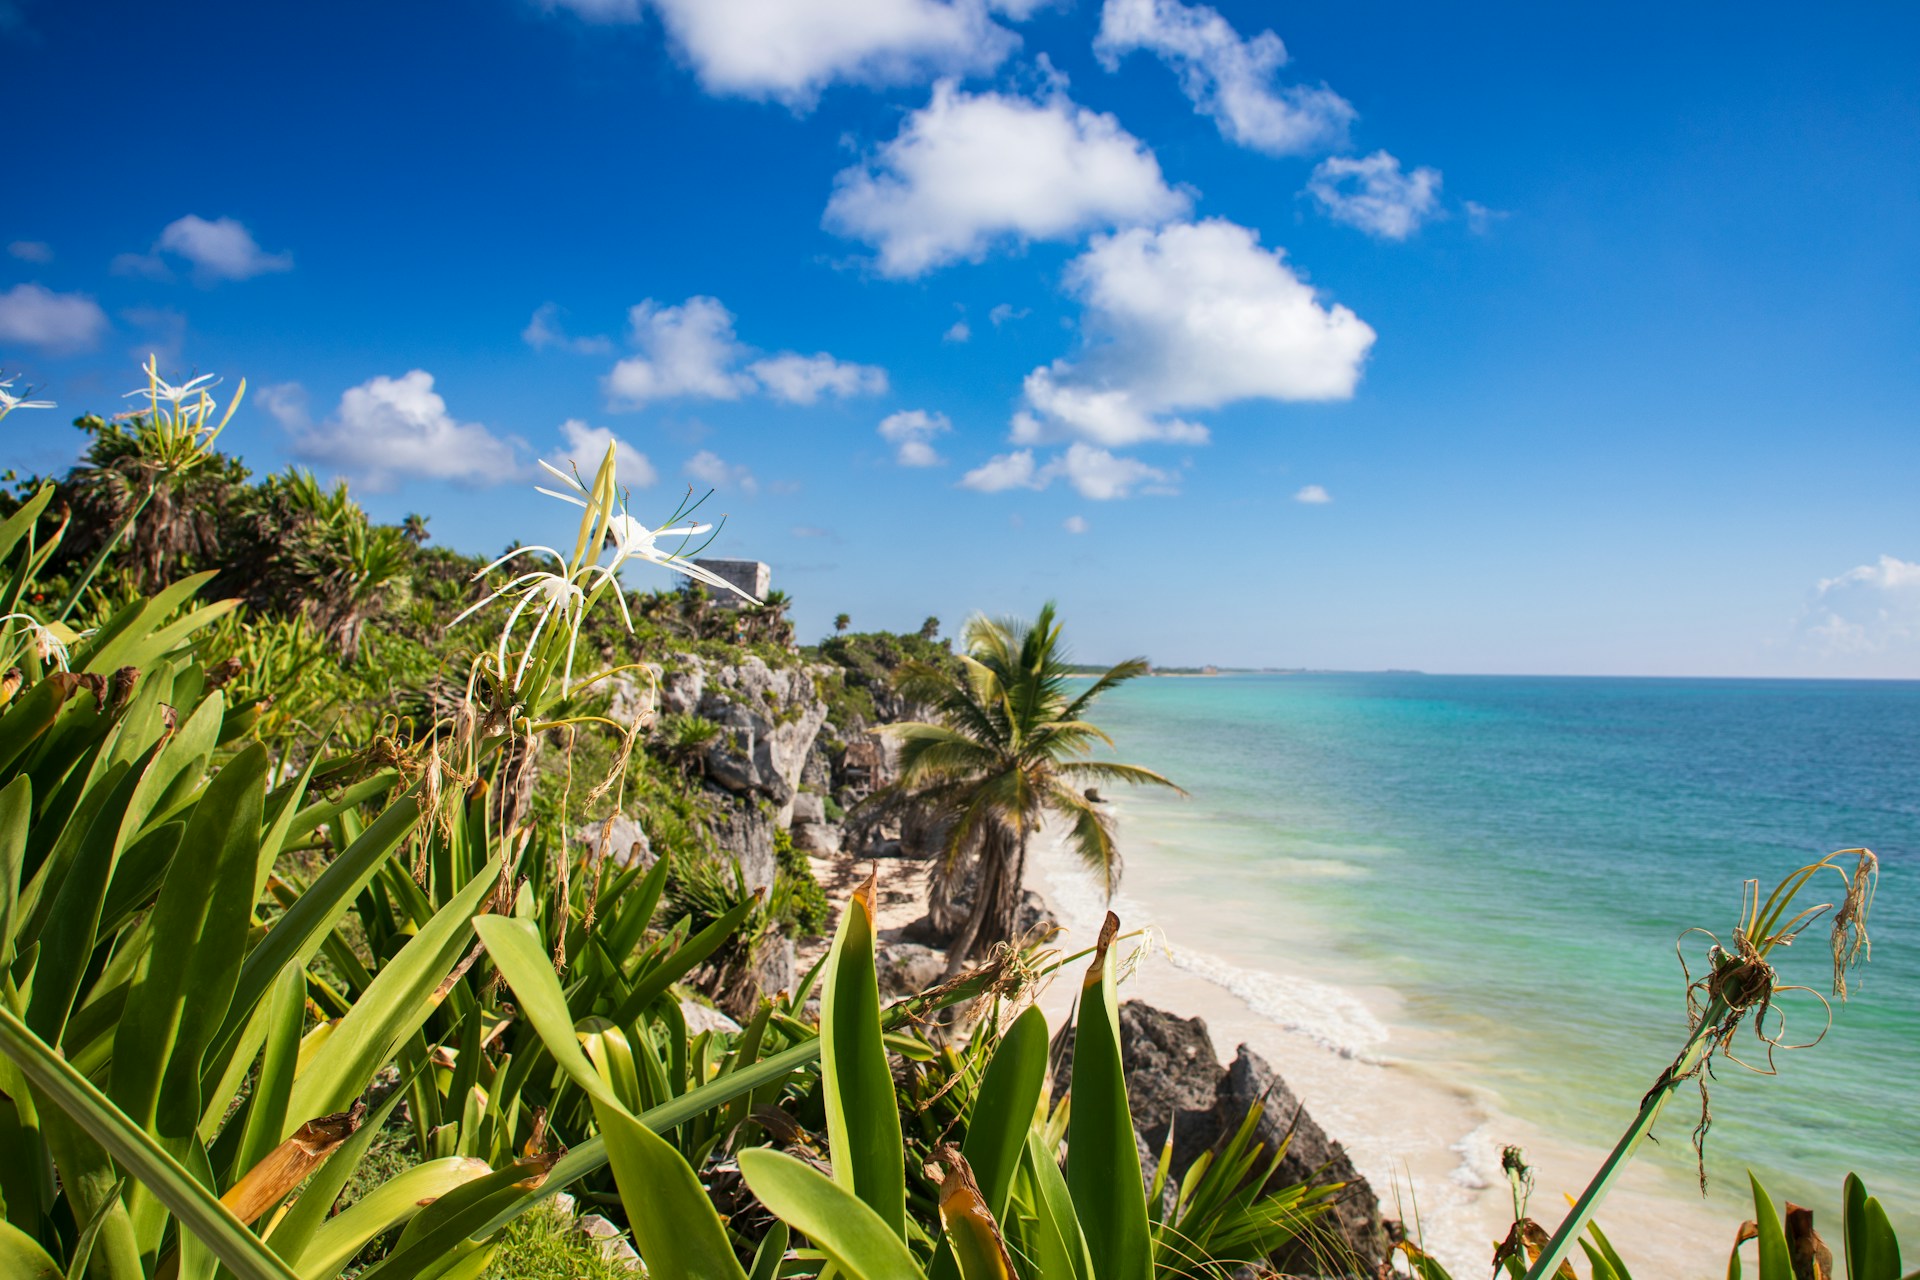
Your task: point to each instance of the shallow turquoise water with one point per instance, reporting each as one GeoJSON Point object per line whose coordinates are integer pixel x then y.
{"type": "Point", "coordinates": [1516, 857]}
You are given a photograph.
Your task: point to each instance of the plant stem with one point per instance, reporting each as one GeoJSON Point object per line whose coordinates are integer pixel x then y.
{"type": "Point", "coordinates": [1577, 1218]}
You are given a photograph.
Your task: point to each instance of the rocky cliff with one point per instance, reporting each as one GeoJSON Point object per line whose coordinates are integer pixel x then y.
{"type": "Point", "coordinates": [1175, 1081]}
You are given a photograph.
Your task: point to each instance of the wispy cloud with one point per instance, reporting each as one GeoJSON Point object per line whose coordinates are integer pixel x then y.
{"type": "Point", "coordinates": [1074, 524]}
{"type": "Point", "coordinates": [911, 432]}
{"type": "Point", "coordinates": [1373, 194]}
{"type": "Point", "coordinates": [710, 469]}
{"type": "Point", "coordinates": [1870, 609]}
{"type": "Point", "coordinates": [1233, 80]}
{"type": "Point", "coordinates": [544, 332]}
{"type": "Point", "coordinates": [38, 251]}
{"type": "Point", "coordinates": [1313, 495]}
{"type": "Point", "coordinates": [1093, 472]}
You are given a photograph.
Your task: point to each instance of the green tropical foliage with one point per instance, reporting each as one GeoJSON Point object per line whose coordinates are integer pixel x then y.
{"type": "Point", "coordinates": [288, 989]}
{"type": "Point", "coordinates": [1009, 748]}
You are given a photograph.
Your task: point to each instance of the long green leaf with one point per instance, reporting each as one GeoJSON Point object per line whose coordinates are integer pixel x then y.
{"type": "Point", "coordinates": [863, 1121]}
{"type": "Point", "coordinates": [1003, 1109]}
{"type": "Point", "coordinates": [192, 1204]}
{"type": "Point", "coordinates": [679, 963]}
{"type": "Point", "coordinates": [297, 935]}
{"type": "Point", "coordinates": [1103, 1164]}
{"type": "Point", "coordinates": [16, 811]}
{"type": "Point", "coordinates": [674, 1224]}
{"type": "Point", "coordinates": [21, 1257]}
{"type": "Point", "coordinates": [388, 1205]}
{"type": "Point", "coordinates": [181, 989]}
{"type": "Point", "coordinates": [399, 999]}
{"type": "Point", "coordinates": [1776, 1263]}
{"type": "Point", "coordinates": [860, 1242]}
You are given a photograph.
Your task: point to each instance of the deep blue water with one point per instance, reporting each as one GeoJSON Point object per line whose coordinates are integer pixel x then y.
{"type": "Point", "coordinates": [1517, 856]}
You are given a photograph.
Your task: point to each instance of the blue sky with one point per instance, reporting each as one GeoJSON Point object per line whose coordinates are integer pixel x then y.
{"type": "Point", "coordinates": [1594, 330]}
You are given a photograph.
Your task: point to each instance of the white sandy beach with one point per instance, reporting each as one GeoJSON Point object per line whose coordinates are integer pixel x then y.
{"type": "Point", "coordinates": [1426, 1141]}
{"type": "Point", "coordinates": [1431, 1142]}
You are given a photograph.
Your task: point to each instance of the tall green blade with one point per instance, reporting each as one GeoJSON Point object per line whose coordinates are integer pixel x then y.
{"type": "Point", "coordinates": [674, 1224]}
{"type": "Point", "coordinates": [1776, 1263]}
{"type": "Point", "coordinates": [1003, 1109]}
{"type": "Point", "coordinates": [182, 987]}
{"type": "Point", "coordinates": [397, 1001]}
{"type": "Point", "coordinates": [863, 1121]}
{"type": "Point", "coordinates": [861, 1243]}
{"type": "Point", "coordinates": [139, 1155]}
{"type": "Point", "coordinates": [1103, 1164]}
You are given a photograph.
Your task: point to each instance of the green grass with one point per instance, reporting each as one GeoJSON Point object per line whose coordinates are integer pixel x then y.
{"type": "Point", "coordinates": [542, 1245]}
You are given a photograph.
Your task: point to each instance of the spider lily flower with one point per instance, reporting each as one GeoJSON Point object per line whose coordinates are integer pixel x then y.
{"type": "Point", "coordinates": [633, 540]}
{"type": "Point", "coordinates": [548, 595]}
{"type": "Point", "coordinates": [180, 423]}
{"type": "Point", "coordinates": [9, 402]}
{"type": "Point", "coordinates": [48, 645]}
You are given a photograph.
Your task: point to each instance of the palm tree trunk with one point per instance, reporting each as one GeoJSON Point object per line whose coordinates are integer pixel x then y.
{"type": "Point", "coordinates": [996, 899]}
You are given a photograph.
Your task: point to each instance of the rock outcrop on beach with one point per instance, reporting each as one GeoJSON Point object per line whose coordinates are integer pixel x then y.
{"type": "Point", "coordinates": [1174, 1078]}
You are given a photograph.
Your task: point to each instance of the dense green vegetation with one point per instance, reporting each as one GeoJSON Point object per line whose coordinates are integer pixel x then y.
{"type": "Point", "coordinates": [305, 971]}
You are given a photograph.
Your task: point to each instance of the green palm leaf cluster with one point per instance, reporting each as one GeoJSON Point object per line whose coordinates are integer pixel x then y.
{"type": "Point", "coordinates": [1009, 748]}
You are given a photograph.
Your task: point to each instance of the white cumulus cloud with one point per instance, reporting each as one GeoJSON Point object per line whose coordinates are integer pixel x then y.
{"type": "Point", "coordinates": [709, 468]}
{"type": "Point", "coordinates": [911, 432]}
{"type": "Point", "coordinates": [387, 430]}
{"type": "Point", "coordinates": [798, 379]}
{"type": "Point", "coordinates": [216, 248]}
{"type": "Point", "coordinates": [968, 171]}
{"type": "Point", "coordinates": [1373, 194]}
{"type": "Point", "coordinates": [1093, 472]}
{"type": "Point", "coordinates": [789, 50]}
{"type": "Point", "coordinates": [586, 448]}
{"type": "Point", "coordinates": [1190, 316]}
{"type": "Point", "coordinates": [1313, 495]}
{"type": "Point", "coordinates": [57, 323]}
{"type": "Point", "coordinates": [1868, 610]}
{"type": "Point", "coordinates": [690, 350]}
{"type": "Point", "coordinates": [1233, 80]}
{"type": "Point", "coordinates": [1016, 470]}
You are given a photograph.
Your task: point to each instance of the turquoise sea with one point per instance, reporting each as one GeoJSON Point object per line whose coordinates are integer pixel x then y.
{"type": "Point", "coordinates": [1515, 858]}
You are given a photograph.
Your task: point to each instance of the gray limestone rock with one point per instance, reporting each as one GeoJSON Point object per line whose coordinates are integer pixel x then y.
{"type": "Point", "coordinates": [1174, 1079]}
{"type": "Point", "coordinates": [822, 838]}
{"type": "Point", "coordinates": [626, 840]}
{"type": "Point", "coordinates": [809, 807]}
{"type": "Point", "coordinates": [704, 1017]}
{"type": "Point", "coordinates": [907, 968]}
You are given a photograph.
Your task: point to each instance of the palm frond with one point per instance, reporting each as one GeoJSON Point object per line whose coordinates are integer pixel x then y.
{"type": "Point", "coordinates": [1114, 771]}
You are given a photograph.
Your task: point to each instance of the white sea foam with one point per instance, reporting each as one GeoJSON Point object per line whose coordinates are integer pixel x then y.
{"type": "Point", "coordinates": [1325, 1014]}
{"type": "Point", "coordinates": [1330, 1017]}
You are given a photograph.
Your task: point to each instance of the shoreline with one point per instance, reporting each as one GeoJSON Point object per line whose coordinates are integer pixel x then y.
{"type": "Point", "coordinates": [1428, 1143]}
{"type": "Point", "coordinates": [1379, 1084]}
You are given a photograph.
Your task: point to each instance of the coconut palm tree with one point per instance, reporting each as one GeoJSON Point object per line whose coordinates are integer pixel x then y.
{"type": "Point", "coordinates": [1008, 749]}
{"type": "Point", "coordinates": [841, 622]}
